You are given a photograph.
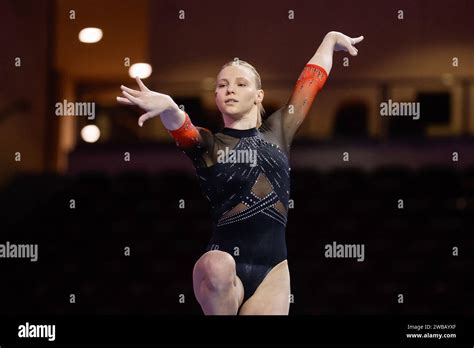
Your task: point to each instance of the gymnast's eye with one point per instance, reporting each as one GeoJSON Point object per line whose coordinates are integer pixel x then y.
{"type": "Point", "coordinates": [242, 84]}
{"type": "Point", "coordinates": [220, 86]}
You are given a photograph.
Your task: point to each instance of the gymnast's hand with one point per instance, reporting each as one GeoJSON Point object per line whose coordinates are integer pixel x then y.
{"type": "Point", "coordinates": [345, 43]}
{"type": "Point", "coordinates": [153, 103]}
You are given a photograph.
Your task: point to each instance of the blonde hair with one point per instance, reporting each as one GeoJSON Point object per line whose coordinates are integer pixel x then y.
{"type": "Point", "coordinates": [258, 83]}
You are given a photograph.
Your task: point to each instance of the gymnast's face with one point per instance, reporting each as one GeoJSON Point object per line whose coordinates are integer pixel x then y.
{"type": "Point", "coordinates": [236, 91]}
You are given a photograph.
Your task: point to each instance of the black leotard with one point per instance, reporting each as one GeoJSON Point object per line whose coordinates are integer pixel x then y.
{"type": "Point", "coordinates": [249, 193]}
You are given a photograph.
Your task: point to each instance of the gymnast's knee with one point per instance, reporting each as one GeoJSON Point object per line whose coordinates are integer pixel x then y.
{"type": "Point", "coordinates": [217, 270]}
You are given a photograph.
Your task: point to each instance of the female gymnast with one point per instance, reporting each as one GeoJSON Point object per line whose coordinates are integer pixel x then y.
{"type": "Point", "coordinates": [244, 172]}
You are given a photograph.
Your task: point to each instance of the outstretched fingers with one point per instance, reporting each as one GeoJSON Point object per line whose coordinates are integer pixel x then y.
{"type": "Point", "coordinates": [145, 117]}
{"type": "Point", "coordinates": [142, 86]}
{"type": "Point", "coordinates": [353, 41]}
{"type": "Point", "coordinates": [133, 92]}
{"type": "Point", "coordinates": [124, 101]}
{"type": "Point", "coordinates": [131, 98]}
{"type": "Point", "coordinates": [356, 40]}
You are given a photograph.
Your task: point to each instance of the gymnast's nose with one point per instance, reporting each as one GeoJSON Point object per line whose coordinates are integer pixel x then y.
{"type": "Point", "coordinates": [230, 89]}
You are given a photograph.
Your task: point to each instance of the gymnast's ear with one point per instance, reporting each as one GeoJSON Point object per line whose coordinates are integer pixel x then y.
{"type": "Point", "coordinates": [259, 98]}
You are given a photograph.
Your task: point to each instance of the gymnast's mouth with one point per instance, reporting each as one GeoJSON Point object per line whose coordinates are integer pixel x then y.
{"type": "Point", "coordinates": [231, 101]}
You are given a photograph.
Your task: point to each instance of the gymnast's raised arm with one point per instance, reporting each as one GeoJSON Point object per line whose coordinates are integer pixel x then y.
{"type": "Point", "coordinates": [311, 80]}
{"type": "Point", "coordinates": [188, 137]}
